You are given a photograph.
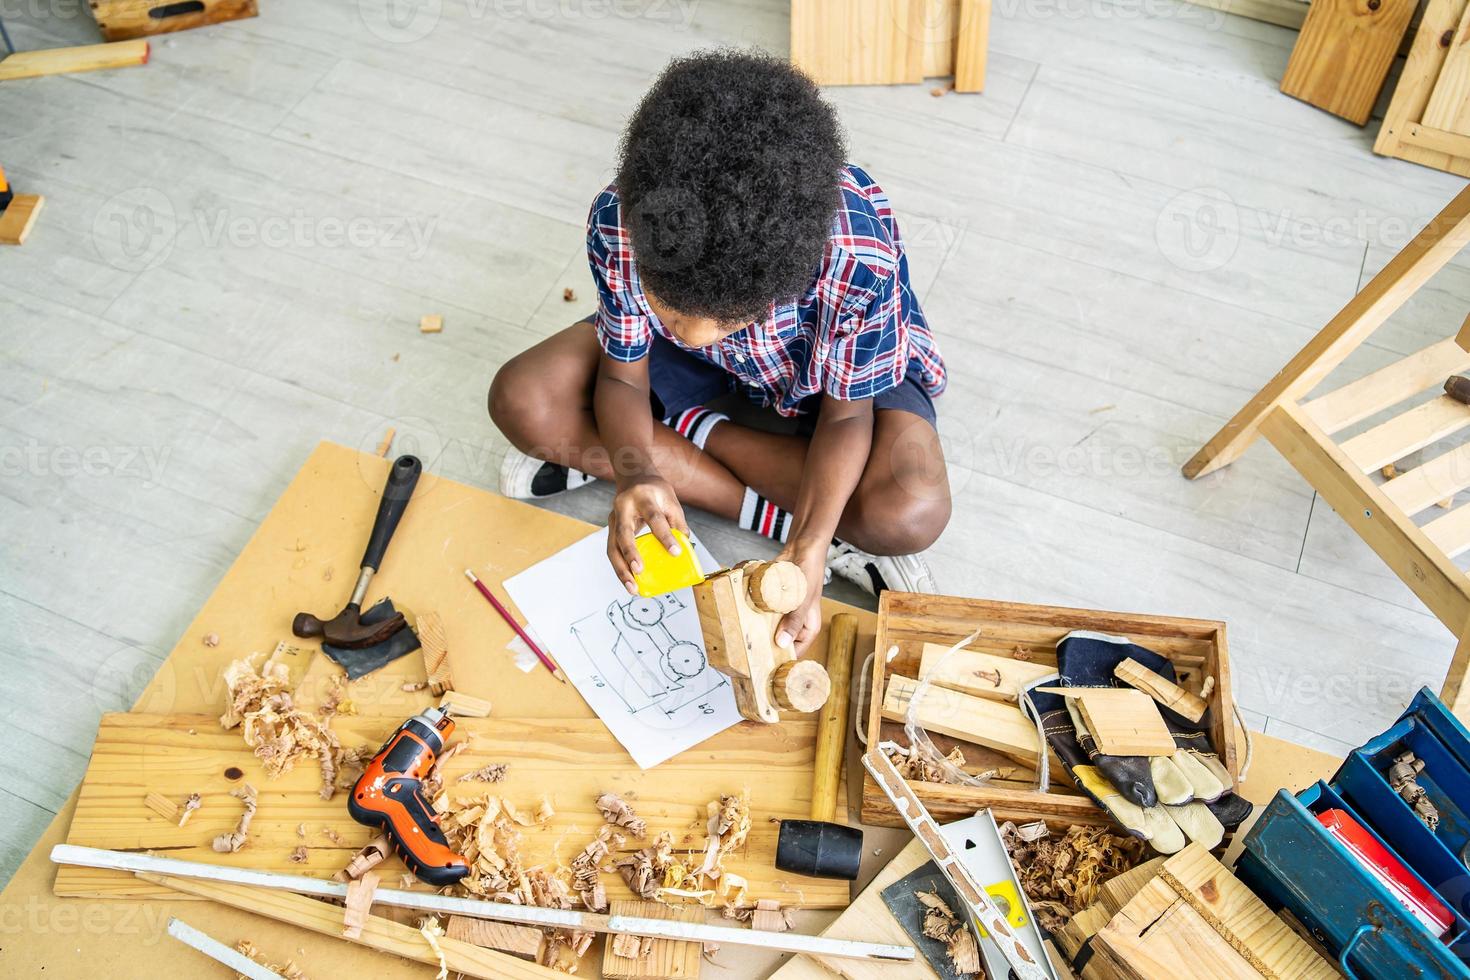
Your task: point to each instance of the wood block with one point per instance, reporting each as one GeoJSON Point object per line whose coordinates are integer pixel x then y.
{"type": "Point", "coordinates": [69, 61]}
{"type": "Point", "coordinates": [464, 705]}
{"type": "Point", "coordinates": [522, 941]}
{"type": "Point", "coordinates": [971, 46]}
{"type": "Point", "coordinates": [1122, 721]}
{"type": "Point", "coordinates": [858, 42]}
{"type": "Point", "coordinates": [984, 675]}
{"type": "Point", "coordinates": [435, 650]}
{"type": "Point", "coordinates": [1119, 890]}
{"type": "Point", "coordinates": [431, 323]}
{"type": "Point", "coordinates": [17, 220]}
{"type": "Point", "coordinates": [1344, 52]}
{"type": "Point", "coordinates": [1245, 921]}
{"type": "Point", "coordinates": [1177, 936]}
{"type": "Point", "coordinates": [1161, 689]}
{"type": "Point", "coordinates": [996, 726]}
{"type": "Point", "coordinates": [121, 19]}
{"type": "Point", "coordinates": [666, 959]}
{"type": "Point", "coordinates": [163, 806]}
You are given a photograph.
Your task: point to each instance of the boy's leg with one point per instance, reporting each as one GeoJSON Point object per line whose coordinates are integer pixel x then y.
{"type": "Point", "coordinates": [541, 399]}
{"type": "Point", "coordinates": [901, 503]}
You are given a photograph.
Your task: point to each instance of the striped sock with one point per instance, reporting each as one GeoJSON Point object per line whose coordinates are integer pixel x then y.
{"type": "Point", "coordinates": [695, 424]}
{"type": "Point", "coordinates": [763, 517]}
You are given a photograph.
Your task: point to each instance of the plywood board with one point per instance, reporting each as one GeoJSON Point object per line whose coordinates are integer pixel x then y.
{"type": "Point", "coordinates": [1126, 722]}
{"type": "Point", "coordinates": [1343, 54]}
{"type": "Point", "coordinates": [568, 761]}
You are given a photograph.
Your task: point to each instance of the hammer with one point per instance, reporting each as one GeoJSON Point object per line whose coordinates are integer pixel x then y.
{"type": "Point", "coordinates": [346, 629]}
{"type": "Point", "coordinates": [821, 847]}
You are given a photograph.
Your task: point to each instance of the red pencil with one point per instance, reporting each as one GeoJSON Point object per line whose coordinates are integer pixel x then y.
{"type": "Point", "coordinates": [505, 615]}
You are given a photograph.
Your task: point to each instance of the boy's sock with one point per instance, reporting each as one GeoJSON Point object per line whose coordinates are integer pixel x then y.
{"type": "Point", "coordinates": [695, 424]}
{"type": "Point", "coordinates": [763, 517]}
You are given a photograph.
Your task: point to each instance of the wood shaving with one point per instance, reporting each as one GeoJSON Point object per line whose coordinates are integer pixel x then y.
{"type": "Point", "coordinates": [331, 834]}
{"type": "Point", "coordinates": [631, 947]}
{"type": "Point", "coordinates": [260, 703]}
{"type": "Point", "coordinates": [358, 904]}
{"type": "Point", "coordinates": [913, 766]}
{"type": "Point", "coordinates": [492, 773]}
{"type": "Point", "coordinates": [770, 916]}
{"type": "Point", "coordinates": [413, 686]}
{"type": "Point", "coordinates": [211, 639]}
{"type": "Point", "coordinates": [298, 856]}
{"type": "Point", "coordinates": [587, 865]}
{"type": "Point", "coordinates": [289, 969]}
{"type": "Point", "coordinates": [371, 855]}
{"type": "Point", "coordinates": [941, 923]}
{"type": "Point", "coordinates": [1061, 875]}
{"type": "Point", "coordinates": [231, 842]}
{"type": "Point", "coordinates": [432, 931]}
{"type": "Point", "coordinates": [728, 827]}
{"type": "Point", "coordinates": [647, 871]}
{"type": "Point", "coordinates": [301, 831]}
{"type": "Point", "coordinates": [615, 810]}
{"type": "Point", "coordinates": [568, 294]}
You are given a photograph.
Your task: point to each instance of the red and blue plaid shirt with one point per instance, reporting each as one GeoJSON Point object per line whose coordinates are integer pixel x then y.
{"type": "Point", "coordinates": [856, 333]}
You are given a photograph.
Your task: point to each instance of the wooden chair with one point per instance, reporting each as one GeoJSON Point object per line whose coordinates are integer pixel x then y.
{"type": "Point", "coordinates": [1381, 514]}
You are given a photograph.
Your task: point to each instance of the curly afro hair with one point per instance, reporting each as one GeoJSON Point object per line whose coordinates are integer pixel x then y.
{"type": "Point", "coordinates": [728, 176]}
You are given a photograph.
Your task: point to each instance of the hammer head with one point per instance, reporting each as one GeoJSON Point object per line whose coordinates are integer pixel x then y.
{"type": "Point", "coordinates": [346, 629]}
{"type": "Point", "coordinates": [819, 849]}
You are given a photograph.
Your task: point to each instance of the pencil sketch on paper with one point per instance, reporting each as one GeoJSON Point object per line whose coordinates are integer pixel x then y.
{"type": "Point", "coordinates": [644, 662]}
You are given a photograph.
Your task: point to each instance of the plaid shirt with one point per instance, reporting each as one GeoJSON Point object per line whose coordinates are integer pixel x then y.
{"type": "Point", "coordinates": [855, 334]}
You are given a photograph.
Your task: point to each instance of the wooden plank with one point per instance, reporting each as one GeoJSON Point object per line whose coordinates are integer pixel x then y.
{"type": "Point", "coordinates": [569, 761]}
{"type": "Point", "coordinates": [242, 965]}
{"type": "Point", "coordinates": [1177, 936]}
{"type": "Point", "coordinates": [1451, 533]}
{"type": "Point", "coordinates": [1434, 246]}
{"type": "Point", "coordinates": [997, 726]}
{"type": "Point", "coordinates": [859, 42]}
{"type": "Point", "coordinates": [524, 942]}
{"type": "Point", "coordinates": [378, 933]}
{"type": "Point", "coordinates": [972, 44]}
{"type": "Point", "coordinates": [1343, 54]}
{"type": "Point", "coordinates": [1282, 13]}
{"type": "Point", "coordinates": [1416, 84]}
{"type": "Point", "coordinates": [941, 27]}
{"type": "Point", "coordinates": [984, 675]}
{"type": "Point", "coordinates": [1449, 103]}
{"type": "Point", "coordinates": [69, 61]}
{"type": "Point", "coordinates": [19, 218]}
{"type": "Point", "coordinates": [1404, 547]}
{"type": "Point", "coordinates": [1454, 146]}
{"type": "Point", "coordinates": [1119, 890]}
{"type": "Point", "coordinates": [1405, 433]}
{"type": "Point", "coordinates": [1386, 387]}
{"type": "Point", "coordinates": [140, 18]}
{"type": "Point", "coordinates": [1423, 486]}
{"type": "Point", "coordinates": [1126, 722]}
{"type": "Point", "coordinates": [667, 959]}
{"type": "Point", "coordinates": [1244, 920]}
{"type": "Point", "coordinates": [868, 918]}
{"type": "Point", "coordinates": [1161, 689]}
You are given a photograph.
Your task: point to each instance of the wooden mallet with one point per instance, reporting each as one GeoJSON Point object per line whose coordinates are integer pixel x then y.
{"type": "Point", "coordinates": [821, 847]}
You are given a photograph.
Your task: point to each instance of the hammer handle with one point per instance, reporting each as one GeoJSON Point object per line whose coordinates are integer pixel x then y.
{"type": "Point", "coordinates": [832, 720]}
{"type": "Point", "coordinates": [402, 478]}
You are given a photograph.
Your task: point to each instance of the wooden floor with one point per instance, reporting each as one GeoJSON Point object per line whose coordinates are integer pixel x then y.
{"type": "Point", "coordinates": [1118, 243]}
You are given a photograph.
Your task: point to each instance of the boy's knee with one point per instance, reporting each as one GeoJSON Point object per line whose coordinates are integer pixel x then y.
{"type": "Point", "coordinates": [514, 402]}
{"type": "Point", "coordinates": [891, 521]}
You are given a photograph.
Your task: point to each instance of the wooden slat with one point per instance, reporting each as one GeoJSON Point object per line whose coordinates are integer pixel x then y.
{"type": "Point", "coordinates": [17, 220]}
{"type": "Point", "coordinates": [992, 724]}
{"type": "Point", "coordinates": [1432, 140]}
{"type": "Point", "coordinates": [1451, 533]}
{"type": "Point", "coordinates": [1434, 246]}
{"type": "Point", "coordinates": [1343, 54]}
{"type": "Point", "coordinates": [1416, 85]}
{"type": "Point", "coordinates": [667, 959]}
{"type": "Point", "coordinates": [1404, 547]}
{"type": "Point", "coordinates": [971, 46]}
{"type": "Point", "coordinates": [67, 61]}
{"type": "Point", "coordinates": [1406, 433]}
{"type": "Point", "coordinates": [379, 933]}
{"type": "Point", "coordinates": [859, 42]}
{"type": "Point", "coordinates": [985, 675]}
{"type": "Point", "coordinates": [1386, 387]}
{"type": "Point", "coordinates": [1449, 103]}
{"type": "Point", "coordinates": [1440, 478]}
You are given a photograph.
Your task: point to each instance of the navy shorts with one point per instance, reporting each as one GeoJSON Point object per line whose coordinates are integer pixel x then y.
{"type": "Point", "coordinates": [680, 381]}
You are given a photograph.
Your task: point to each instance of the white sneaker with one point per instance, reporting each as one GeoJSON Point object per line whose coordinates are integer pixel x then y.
{"type": "Point", "coordinates": [528, 478]}
{"type": "Point", "coordinates": [877, 573]}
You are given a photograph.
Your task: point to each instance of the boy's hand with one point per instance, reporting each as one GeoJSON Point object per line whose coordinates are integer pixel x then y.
{"type": "Point", "coordinates": [800, 627]}
{"type": "Point", "coordinates": [644, 500]}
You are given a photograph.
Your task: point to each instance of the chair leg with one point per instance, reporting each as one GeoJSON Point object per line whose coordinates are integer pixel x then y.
{"type": "Point", "coordinates": [1456, 692]}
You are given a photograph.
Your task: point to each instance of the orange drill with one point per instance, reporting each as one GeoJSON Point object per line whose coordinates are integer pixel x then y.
{"type": "Point", "coordinates": [390, 795]}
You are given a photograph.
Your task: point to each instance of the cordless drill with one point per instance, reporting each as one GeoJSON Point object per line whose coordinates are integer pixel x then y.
{"type": "Point", "coordinates": [390, 795]}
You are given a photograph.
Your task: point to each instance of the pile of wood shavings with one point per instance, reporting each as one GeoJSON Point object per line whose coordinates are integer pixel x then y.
{"type": "Point", "coordinates": [233, 841]}
{"type": "Point", "coordinates": [912, 766]}
{"type": "Point", "coordinates": [1061, 875]}
{"type": "Point", "coordinates": [260, 703]}
{"type": "Point", "coordinates": [941, 923]}
{"type": "Point", "coordinates": [289, 970]}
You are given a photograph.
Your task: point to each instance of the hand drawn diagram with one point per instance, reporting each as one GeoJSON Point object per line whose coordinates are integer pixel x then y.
{"type": "Point", "coordinates": [650, 667]}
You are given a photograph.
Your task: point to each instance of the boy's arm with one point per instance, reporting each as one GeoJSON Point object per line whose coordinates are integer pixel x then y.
{"type": "Point", "coordinates": [620, 404]}
{"type": "Point", "coordinates": [835, 460]}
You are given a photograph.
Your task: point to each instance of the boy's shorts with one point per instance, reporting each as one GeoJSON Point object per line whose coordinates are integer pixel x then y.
{"type": "Point", "coordinates": [681, 381]}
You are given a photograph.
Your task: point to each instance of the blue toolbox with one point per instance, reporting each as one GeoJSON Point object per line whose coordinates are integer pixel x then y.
{"type": "Point", "coordinates": [1312, 853]}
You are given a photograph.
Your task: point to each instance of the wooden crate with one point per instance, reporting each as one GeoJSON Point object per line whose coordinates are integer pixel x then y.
{"type": "Point", "coordinates": [908, 621]}
{"type": "Point", "coordinates": [121, 20]}
{"type": "Point", "coordinates": [1427, 121]}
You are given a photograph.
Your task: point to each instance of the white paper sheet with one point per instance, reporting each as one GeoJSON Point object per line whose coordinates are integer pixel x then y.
{"type": "Point", "coordinates": [639, 662]}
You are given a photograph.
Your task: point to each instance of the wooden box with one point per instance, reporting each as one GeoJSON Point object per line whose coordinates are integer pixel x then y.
{"type": "Point", "coordinates": [121, 20]}
{"type": "Point", "coordinates": [907, 621]}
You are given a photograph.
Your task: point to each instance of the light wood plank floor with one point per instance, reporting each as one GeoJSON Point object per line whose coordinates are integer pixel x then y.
{"type": "Point", "coordinates": [1118, 242]}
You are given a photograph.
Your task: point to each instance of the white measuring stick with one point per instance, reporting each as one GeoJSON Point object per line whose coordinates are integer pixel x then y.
{"type": "Point", "coordinates": [977, 902]}
{"type": "Point", "coordinates": [530, 915]}
{"type": "Point", "coordinates": [216, 950]}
